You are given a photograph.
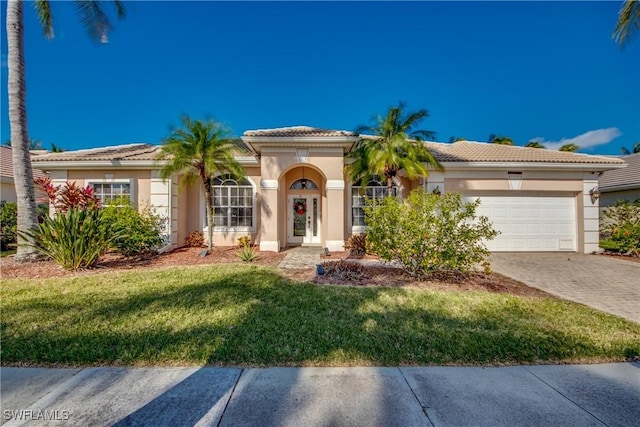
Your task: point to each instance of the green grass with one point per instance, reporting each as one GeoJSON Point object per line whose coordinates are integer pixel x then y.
{"type": "Point", "coordinates": [250, 315]}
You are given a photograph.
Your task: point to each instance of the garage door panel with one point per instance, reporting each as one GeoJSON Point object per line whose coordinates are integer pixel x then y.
{"type": "Point", "coordinates": [530, 223]}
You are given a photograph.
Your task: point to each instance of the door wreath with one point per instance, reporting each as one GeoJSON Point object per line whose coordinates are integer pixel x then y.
{"type": "Point", "coordinates": [300, 208]}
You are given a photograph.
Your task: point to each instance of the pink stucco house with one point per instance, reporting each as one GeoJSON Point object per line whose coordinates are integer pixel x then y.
{"type": "Point", "coordinates": [296, 191]}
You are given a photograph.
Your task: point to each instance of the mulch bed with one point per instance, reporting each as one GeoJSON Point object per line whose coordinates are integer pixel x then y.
{"type": "Point", "coordinates": [375, 276]}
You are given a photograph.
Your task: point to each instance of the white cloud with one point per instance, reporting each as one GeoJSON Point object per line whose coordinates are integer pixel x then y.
{"type": "Point", "coordinates": [586, 140]}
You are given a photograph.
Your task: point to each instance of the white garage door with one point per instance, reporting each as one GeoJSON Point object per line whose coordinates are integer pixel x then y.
{"type": "Point", "coordinates": [529, 224]}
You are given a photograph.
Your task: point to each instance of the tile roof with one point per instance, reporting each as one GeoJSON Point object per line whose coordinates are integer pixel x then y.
{"type": "Point", "coordinates": [6, 163]}
{"type": "Point", "coordinates": [117, 152]}
{"type": "Point", "coordinates": [470, 151]}
{"type": "Point", "coordinates": [139, 151]}
{"type": "Point", "coordinates": [298, 131]}
{"type": "Point", "coordinates": [629, 176]}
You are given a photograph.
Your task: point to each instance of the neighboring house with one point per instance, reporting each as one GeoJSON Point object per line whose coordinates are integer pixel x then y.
{"type": "Point", "coordinates": [7, 185]}
{"type": "Point", "coordinates": [621, 184]}
{"type": "Point", "coordinates": [296, 192]}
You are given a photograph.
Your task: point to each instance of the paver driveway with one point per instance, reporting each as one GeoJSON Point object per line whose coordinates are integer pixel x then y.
{"type": "Point", "coordinates": [601, 282]}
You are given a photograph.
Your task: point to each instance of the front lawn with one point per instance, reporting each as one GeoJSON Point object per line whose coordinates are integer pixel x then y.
{"type": "Point", "coordinates": [235, 314]}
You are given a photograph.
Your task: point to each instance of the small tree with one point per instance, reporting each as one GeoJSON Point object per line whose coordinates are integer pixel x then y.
{"type": "Point", "coordinates": [197, 151]}
{"type": "Point", "coordinates": [428, 232]}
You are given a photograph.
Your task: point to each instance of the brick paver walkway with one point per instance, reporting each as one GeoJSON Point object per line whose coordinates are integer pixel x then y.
{"type": "Point", "coordinates": [601, 282]}
{"type": "Point", "coordinates": [301, 257]}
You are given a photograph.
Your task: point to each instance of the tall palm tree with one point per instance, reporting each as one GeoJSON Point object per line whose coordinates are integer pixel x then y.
{"type": "Point", "coordinates": [98, 26]}
{"type": "Point", "coordinates": [628, 21]}
{"type": "Point", "coordinates": [391, 144]}
{"type": "Point", "coordinates": [199, 150]}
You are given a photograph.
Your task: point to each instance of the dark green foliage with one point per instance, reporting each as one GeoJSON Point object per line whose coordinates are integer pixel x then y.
{"type": "Point", "coordinates": [137, 233]}
{"type": "Point", "coordinates": [620, 227]}
{"type": "Point", "coordinates": [8, 224]}
{"type": "Point", "coordinates": [75, 239]}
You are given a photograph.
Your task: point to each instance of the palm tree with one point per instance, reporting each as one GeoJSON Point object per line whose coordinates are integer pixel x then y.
{"type": "Point", "coordinates": [391, 144]}
{"type": "Point", "coordinates": [199, 150]}
{"type": "Point", "coordinates": [636, 149]}
{"type": "Point", "coordinates": [570, 147]}
{"type": "Point", "coordinates": [502, 140]}
{"type": "Point", "coordinates": [56, 148]}
{"type": "Point", "coordinates": [534, 144]}
{"type": "Point", "coordinates": [98, 25]}
{"type": "Point", "coordinates": [628, 21]}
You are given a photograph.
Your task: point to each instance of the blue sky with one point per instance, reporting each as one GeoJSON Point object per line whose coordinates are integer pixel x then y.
{"type": "Point", "coordinates": [545, 70]}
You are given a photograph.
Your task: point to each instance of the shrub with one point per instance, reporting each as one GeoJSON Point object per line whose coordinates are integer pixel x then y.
{"type": "Point", "coordinates": [344, 270]}
{"type": "Point", "coordinates": [69, 195]}
{"type": "Point", "coordinates": [620, 227]}
{"type": "Point", "coordinates": [195, 239]}
{"type": "Point", "coordinates": [429, 232]}
{"type": "Point", "coordinates": [74, 239]}
{"type": "Point", "coordinates": [247, 254]}
{"type": "Point", "coordinates": [244, 241]}
{"type": "Point", "coordinates": [137, 233]}
{"type": "Point", "coordinates": [357, 244]}
{"type": "Point", "coordinates": [8, 224]}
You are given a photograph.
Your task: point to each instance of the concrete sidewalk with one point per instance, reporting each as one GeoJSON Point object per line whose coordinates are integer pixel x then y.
{"type": "Point", "coordinates": [567, 395]}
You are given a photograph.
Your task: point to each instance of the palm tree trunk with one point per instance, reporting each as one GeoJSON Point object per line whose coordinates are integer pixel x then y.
{"type": "Point", "coordinates": [208, 195]}
{"type": "Point", "coordinates": [17, 92]}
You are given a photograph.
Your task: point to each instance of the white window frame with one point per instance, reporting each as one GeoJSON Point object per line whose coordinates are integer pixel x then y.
{"type": "Point", "coordinates": [244, 228]}
{"type": "Point", "coordinates": [130, 181]}
{"type": "Point", "coordinates": [363, 228]}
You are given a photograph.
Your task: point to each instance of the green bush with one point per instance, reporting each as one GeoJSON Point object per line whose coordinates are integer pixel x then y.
{"type": "Point", "coordinates": [137, 233]}
{"type": "Point", "coordinates": [247, 254]}
{"type": "Point", "coordinates": [74, 239]}
{"type": "Point", "coordinates": [8, 224]}
{"type": "Point", "coordinates": [429, 232]}
{"type": "Point", "coordinates": [620, 227]}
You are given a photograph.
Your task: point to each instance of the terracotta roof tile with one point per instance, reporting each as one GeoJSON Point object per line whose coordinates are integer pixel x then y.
{"type": "Point", "coordinates": [124, 152]}
{"type": "Point", "coordinates": [117, 152]}
{"type": "Point", "coordinates": [469, 151]}
{"type": "Point", "coordinates": [629, 176]}
{"type": "Point", "coordinates": [298, 131]}
{"type": "Point", "coordinates": [6, 163]}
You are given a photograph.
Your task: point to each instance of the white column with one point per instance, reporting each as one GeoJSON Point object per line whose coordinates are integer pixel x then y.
{"type": "Point", "coordinates": [590, 213]}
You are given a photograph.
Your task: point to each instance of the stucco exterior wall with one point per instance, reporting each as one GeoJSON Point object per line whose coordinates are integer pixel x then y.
{"type": "Point", "coordinates": [8, 192]}
{"type": "Point", "coordinates": [141, 180]}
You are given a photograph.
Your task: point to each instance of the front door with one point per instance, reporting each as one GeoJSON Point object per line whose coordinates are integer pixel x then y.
{"type": "Point", "coordinates": [304, 219]}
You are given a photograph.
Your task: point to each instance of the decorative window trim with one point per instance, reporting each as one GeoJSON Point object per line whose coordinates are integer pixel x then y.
{"type": "Point", "coordinates": [363, 228]}
{"type": "Point", "coordinates": [237, 228]}
{"type": "Point", "coordinates": [130, 181]}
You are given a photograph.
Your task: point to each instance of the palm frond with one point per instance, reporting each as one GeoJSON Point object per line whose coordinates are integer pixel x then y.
{"type": "Point", "coordinates": [43, 10]}
{"type": "Point", "coordinates": [95, 20]}
{"type": "Point", "coordinates": [628, 21]}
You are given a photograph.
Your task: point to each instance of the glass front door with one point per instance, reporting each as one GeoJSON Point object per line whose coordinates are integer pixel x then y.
{"type": "Point", "coordinates": [304, 219]}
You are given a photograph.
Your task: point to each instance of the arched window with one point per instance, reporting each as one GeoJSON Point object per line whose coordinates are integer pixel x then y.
{"type": "Point", "coordinates": [374, 191]}
{"type": "Point", "coordinates": [232, 202]}
{"type": "Point", "coordinates": [303, 184]}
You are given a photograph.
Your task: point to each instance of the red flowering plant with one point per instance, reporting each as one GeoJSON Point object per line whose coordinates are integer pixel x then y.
{"type": "Point", "coordinates": [69, 196]}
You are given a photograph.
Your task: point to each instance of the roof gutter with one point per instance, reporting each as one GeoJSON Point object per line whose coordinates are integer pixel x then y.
{"type": "Point", "coordinates": [533, 166]}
